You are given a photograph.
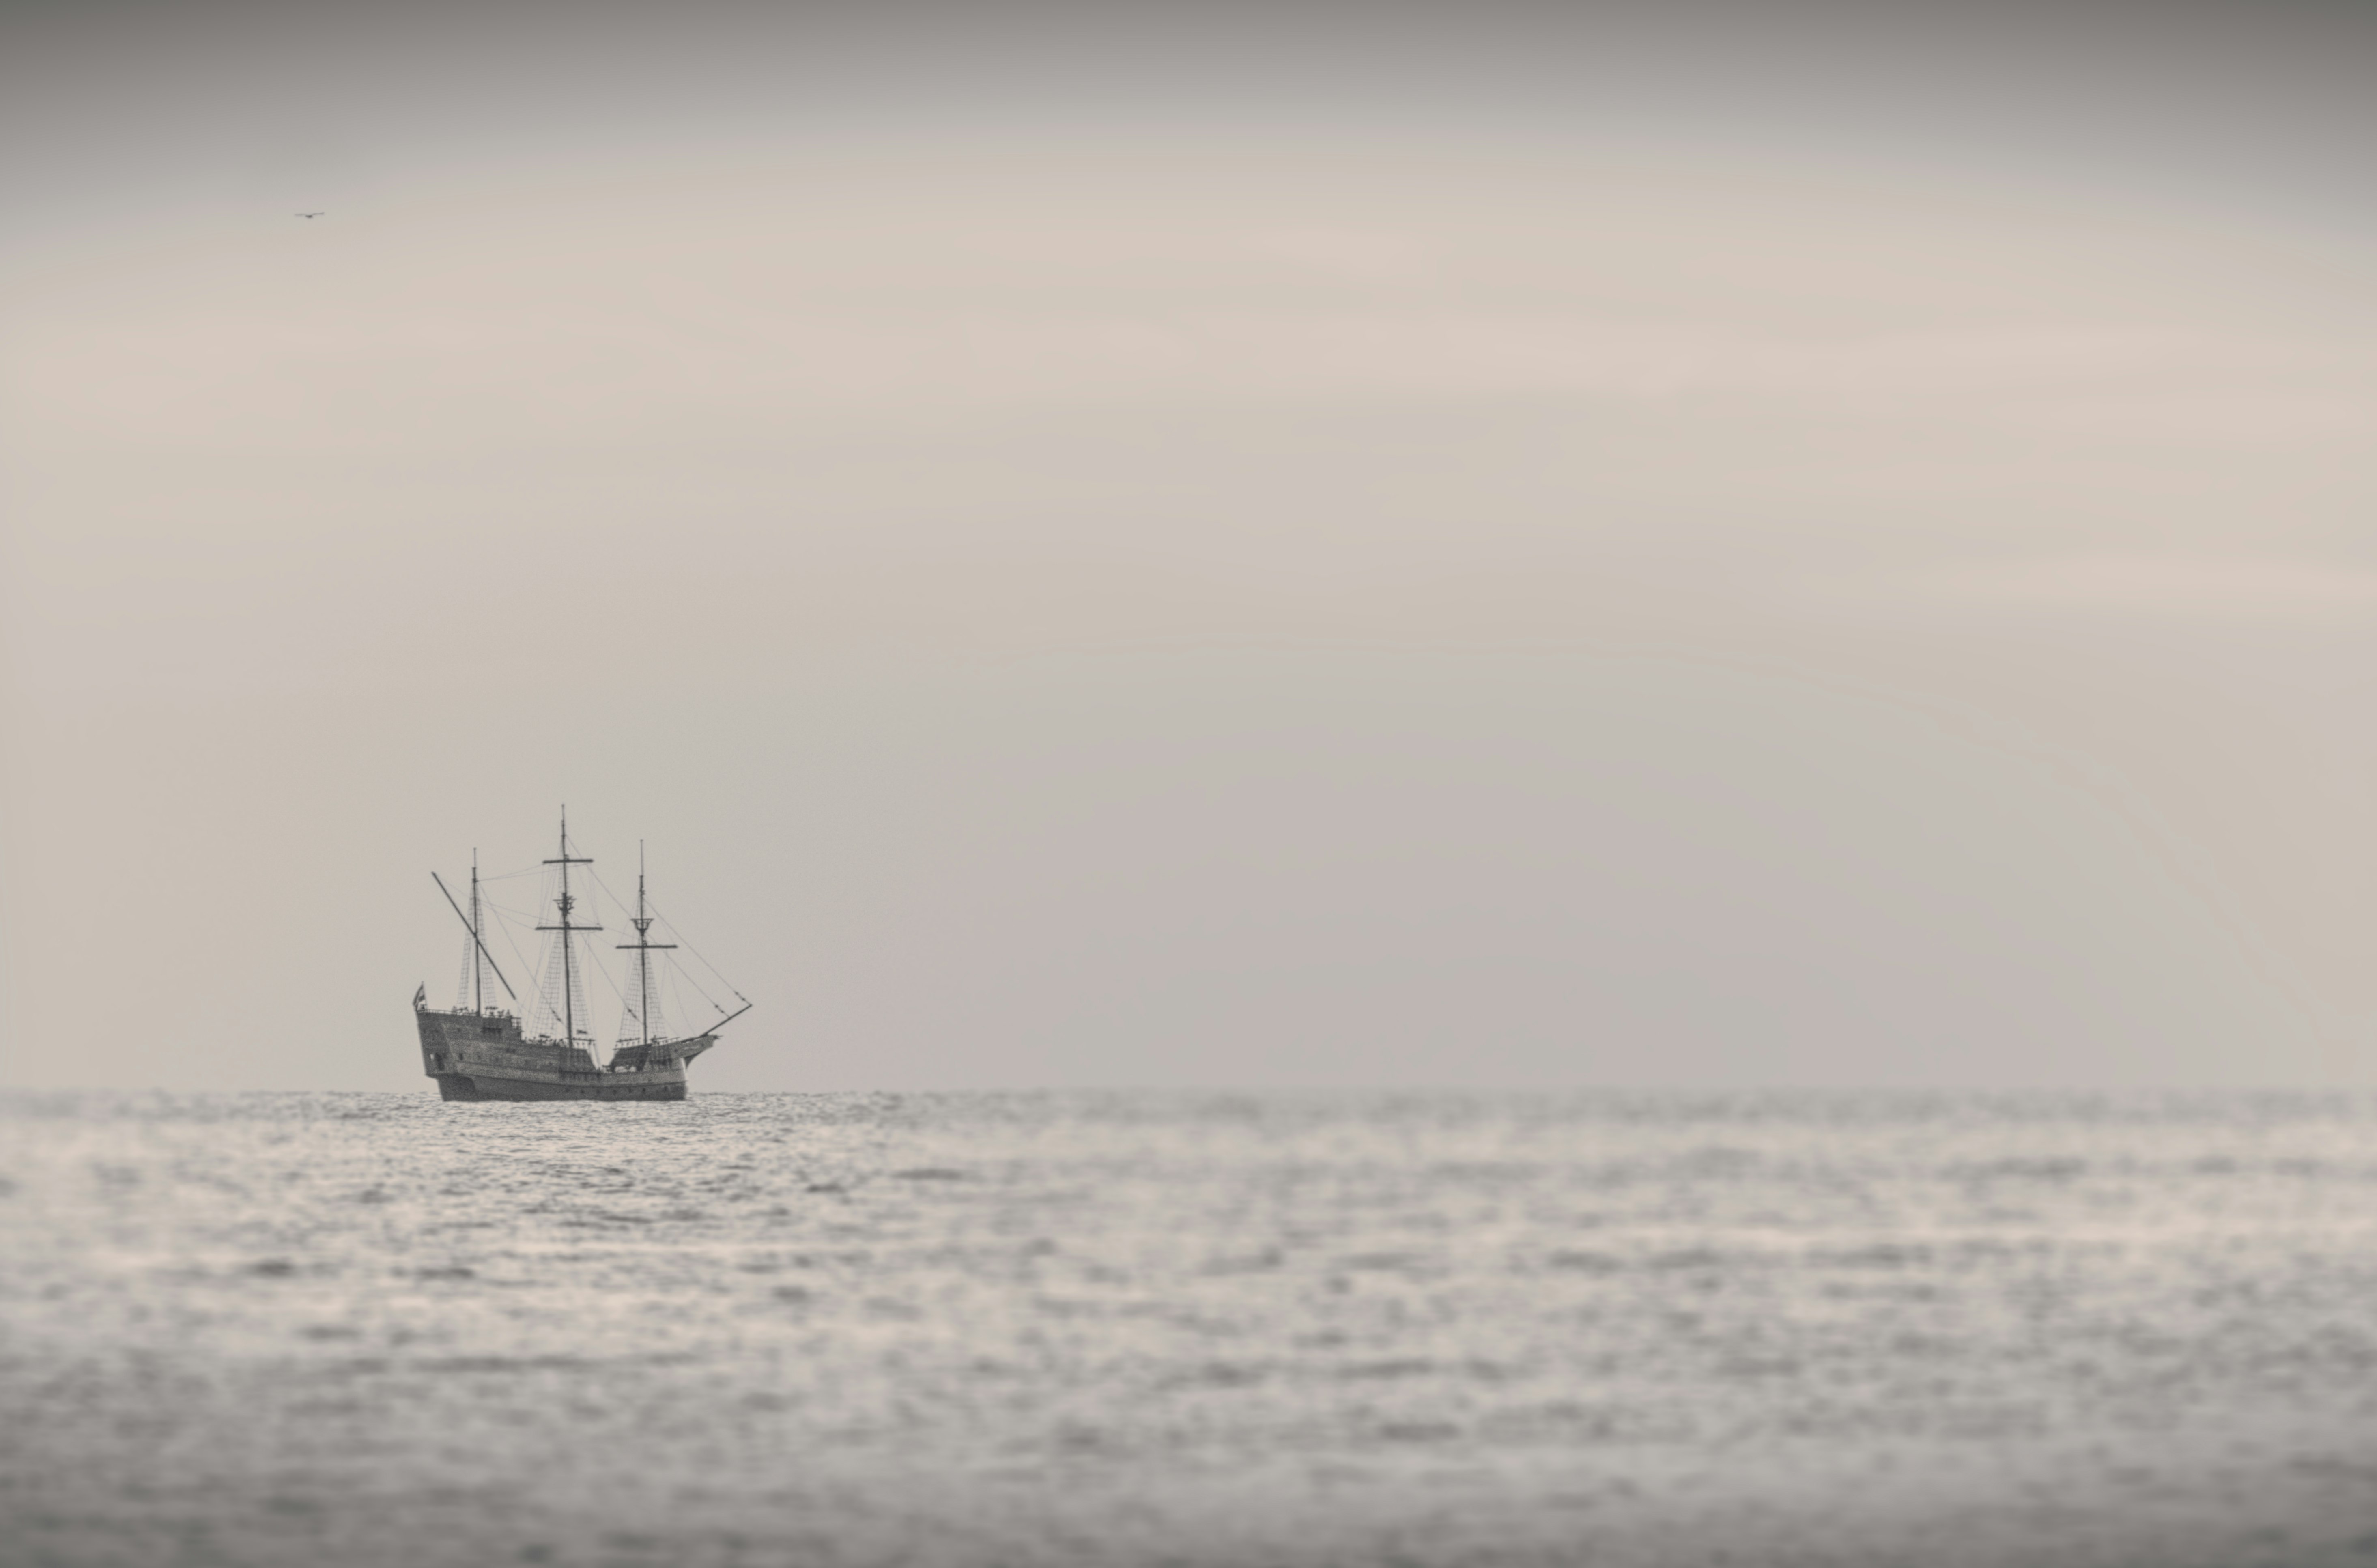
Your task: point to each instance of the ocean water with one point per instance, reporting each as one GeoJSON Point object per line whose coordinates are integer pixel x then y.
{"type": "Point", "coordinates": [1124, 1330]}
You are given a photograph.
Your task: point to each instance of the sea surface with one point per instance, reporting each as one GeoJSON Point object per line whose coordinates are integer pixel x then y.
{"type": "Point", "coordinates": [1118, 1330]}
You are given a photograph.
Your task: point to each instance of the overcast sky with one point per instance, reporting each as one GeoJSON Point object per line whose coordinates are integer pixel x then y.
{"type": "Point", "coordinates": [1201, 545]}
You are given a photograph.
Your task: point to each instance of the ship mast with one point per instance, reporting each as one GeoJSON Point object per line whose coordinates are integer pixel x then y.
{"type": "Point", "coordinates": [643, 947]}
{"type": "Point", "coordinates": [471, 924]}
{"type": "Point", "coordinates": [477, 1005]}
{"type": "Point", "coordinates": [569, 975]}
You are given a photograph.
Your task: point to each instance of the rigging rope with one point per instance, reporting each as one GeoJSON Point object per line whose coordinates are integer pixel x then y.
{"type": "Point", "coordinates": [715, 973]}
{"type": "Point", "coordinates": [652, 906]}
{"type": "Point", "coordinates": [527, 970]}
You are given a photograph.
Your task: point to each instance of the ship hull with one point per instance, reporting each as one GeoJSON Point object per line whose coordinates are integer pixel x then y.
{"type": "Point", "coordinates": [488, 1086]}
{"type": "Point", "coordinates": [482, 1057]}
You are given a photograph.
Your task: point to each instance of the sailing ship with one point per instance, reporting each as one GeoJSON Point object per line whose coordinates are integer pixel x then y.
{"type": "Point", "coordinates": [483, 1052]}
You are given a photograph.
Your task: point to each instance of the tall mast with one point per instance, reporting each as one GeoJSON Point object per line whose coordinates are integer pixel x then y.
{"type": "Point", "coordinates": [476, 1004]}
{"type": "Point", "coordinates": [643, 947]}
{"type": "Point", "coordinates": [568, 975]}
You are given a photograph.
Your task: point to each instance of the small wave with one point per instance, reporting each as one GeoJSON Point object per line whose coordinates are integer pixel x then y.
{"type": "Point", "coordinates": [1758, 1367]}
{"type": "Point", "coordinates": [1218, 1374]}
{"type": "Point", "coordinates": [2026, 1169]}
{"type": "Point", "coordinates": [504, 1364]}
{"type": "Point", "coordinates": [1882, 1255]}
{"type": "Point", "coordinates": [1405, 1366]}
{"type": "Point", "coordinates": [1384, 1262]}
{"type": "Point", "coordinates": [1688, 1258]}
{"type": "Point", "coordinates": [1243, 1263]}
{"type": "Point", "coordinates": [1586, 1263]}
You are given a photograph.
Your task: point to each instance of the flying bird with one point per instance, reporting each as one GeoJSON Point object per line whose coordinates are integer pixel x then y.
{"type": "Point", "coordinates": [310, 215]}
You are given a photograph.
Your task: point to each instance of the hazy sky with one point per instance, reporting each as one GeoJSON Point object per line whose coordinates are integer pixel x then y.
{"type": "Point", "coordinates": [1203, 544]}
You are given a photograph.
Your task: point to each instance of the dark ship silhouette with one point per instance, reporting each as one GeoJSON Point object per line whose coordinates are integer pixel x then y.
{"type": "Point", "coordinates": [484, 1053]}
